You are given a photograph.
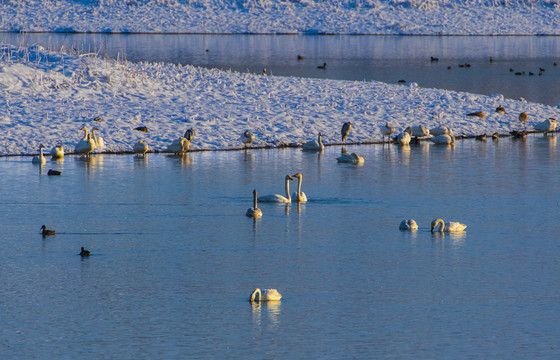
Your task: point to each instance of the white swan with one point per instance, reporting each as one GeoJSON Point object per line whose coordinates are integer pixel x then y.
{"type": "Point", "coordinates": [57, 152]}
{"type": "Point", "coordinates": [179, 146]}
{"type": "Point", "coordinates": [265, 295]}
{"type": "Point", "coordinates": [443, 139]}
{"type": "Point", "coordinates": [409, 225]}
{"type": "Point", "coordinates": [82, 142]}
{"type": "Point", "coordinates": [346, 127]}
{"type": "Point", "coordinates": [419, 131]}
{"type": "Point", "coordinates": [141, 148]}
{"type": "Point", "coordinates": [546, 126]}
{"type": "Point", "coordinates": [247, 137]}
{"type": "Point", "coordinates": [350, 158]}
{"type": "Point", "coordinates": [98, 140]}
{"type": "Point", "coordinates": [279, 198]}
{"type": "Point", "coordinates": [386, 130]}
{"type": "Point", "coordinates": [404, 137]}
{"type": "Point", "coordinates": [314, 145]}
{"type": "Point", "coordinates": [440, 226]}
{"type": "Point", "coordinates": [299, 196]}
{"type": "Point", "coordinates": [85, 147]}
{"type": "Point", "coordinates": [39, 159]}
{"type": "Point", "coordinates": [254, 212]}
{"type": "Point", "coordinates": [440, 130]}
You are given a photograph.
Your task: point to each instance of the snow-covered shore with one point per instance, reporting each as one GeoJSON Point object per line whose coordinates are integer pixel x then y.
{"type": "Point", "coordinates": [398, 17]}
{"type": "Point", "coordinates": [48, 97]}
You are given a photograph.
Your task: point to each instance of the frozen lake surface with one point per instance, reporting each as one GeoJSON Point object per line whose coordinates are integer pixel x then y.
{"type": "Point", "coordinates": [175, 258]}
{"type": "Point", "coordinates": [358, 58]}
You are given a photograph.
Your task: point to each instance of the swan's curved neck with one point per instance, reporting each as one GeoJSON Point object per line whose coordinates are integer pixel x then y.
{"type": "Point", "coordinates": [288, 196]}
{"type": "Point", "coordinates": [85, 132]}
{"type": "Point", "coordinates": [41, 152]}
{"type": "Point", "coordinates": [439, 221]}
{"type": "Point", "coordinates": [299, 187]}
{"type": "Point", "coordinates": [256, 294]}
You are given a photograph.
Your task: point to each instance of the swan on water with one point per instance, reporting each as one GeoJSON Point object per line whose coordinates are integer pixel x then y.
{"type": "Point", "coordinates": [443, 139]}
{"type": "Point", "coordinates": [386, 130]}
{"type": "Point", "coordinates": [265, 295]}
{"type": "Point", "coordinates": [279, 198]}
{"type": "Point", "coordinates": [404, 137]}
{"type": "Point", "coordinates": [299, 196]}
{"type": "Point", "coordinates": [57, 152]}
{"type": "Point", "coordinates": [345, 130]}
{"type": "Point", "coordinates": [98, 140]}
{"type": "Point", "coordinates": [179, 146]}
{"type": "Point", "coordinates": [440, 130]}
{"type": "Point", "coordinates": [352, 158]}
{"type": "Point", "coordinates": [314, 145]}
{"type": "Point", "coordinates": [247, 137]}
{"type": "Point", "coordinates": [254, 211]}
{"type": "Point", "coordinates": [39, 159]}
{"type": "Point", "coordinates": [546, 126]}
{"type": "Point", "coordinates": [409, 225]}
{"type": "Point", "coordinates": [141, 148]}
{"type": "Point", "coordinates": [438, 225]}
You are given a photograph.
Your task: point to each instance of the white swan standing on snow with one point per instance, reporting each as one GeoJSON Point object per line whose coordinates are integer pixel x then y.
{"type": "Point", "coordinates": [438, 225]}
{"type": "Point", "coordinates": [299, 196]}
{"type": "Point", "coordinates": [98, 140]}
{"type": "Point", "coordinates": [546, 126]}
{"type": "Point", "coordinates": [39, 159]}
{"type": "Point", "coordinates": [408, 225]}
{"type": "Point", "coordinates": [85, 147]}
{"type": "Point", "coordinates": [57, 152]}
{"type": "Point", "coordinates": [386, 130]}
{"type": "Point", "coordinates": [314, 145]}
{"type": "Point", "coordinates": [443, 139]}
{"type": "Point", "coordinates": [254, 211]}
{"type": "Point", "coordinates": [279, 198]}
{"type": "Point", "coordinates": [350, 158]}
{"type": "Point", "coordinates": [179, 146]}
{"type": "Point", "coordinates": [141, 148]}
{"type": "Point", "coordinates": [265, 295]}
{"type": "Point", "coordinates": [247, 137]}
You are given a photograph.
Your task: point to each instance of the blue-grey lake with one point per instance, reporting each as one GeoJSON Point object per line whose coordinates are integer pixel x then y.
{"type": "Point", "coordinates": [357, 58]}
{"type": "Point", "coordinates": [174, 258]}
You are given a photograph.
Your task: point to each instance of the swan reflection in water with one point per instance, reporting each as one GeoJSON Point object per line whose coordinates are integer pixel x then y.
{"type": "Point", "coordinates": [273, 311]}
{"type": "Point", "coordinates": [93, 163]}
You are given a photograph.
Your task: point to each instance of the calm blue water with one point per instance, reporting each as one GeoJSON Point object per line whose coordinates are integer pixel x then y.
{"type": "Point", "coordinates": [357, 58]}
{"type": "Point", "coordinates": [175, 258]}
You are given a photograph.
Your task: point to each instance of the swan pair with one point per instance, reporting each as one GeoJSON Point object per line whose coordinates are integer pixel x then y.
{"type": "Point", "coordinates": [89, 142]}
{"type": "Point", "coordinates": [298, 196]}
{"type": "Point", "coordinates": [438, 225]}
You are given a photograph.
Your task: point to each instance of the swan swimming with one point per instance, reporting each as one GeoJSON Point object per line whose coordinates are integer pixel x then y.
{"type": "Point", "coordinates": [57, 152]}
{"type": "Point", "coordinates": [314, 145]}
{"type": "Point", "coordinates": [346, 130]}
{"type": "Point", "coordinates": [39, 159]}
{"type": "Point", "coordinates": [279, 198]}
{"type": "Point", "coordinates": [254, 212]}
{"type": "Point", "coordinates": [179, 146]}
{"type": "Point", "coordinates": [299, 196]}
{"type": "Point", "coordinates": [265, 295]}
{"type": "Point", "coordinates": [141, 148]}
{"type": "Point", "coordinates": [247, 137]}
{"type": "Point", "coordinates": [451, 226]}
{"type": "Point", "coordinates": [350, 158]}
{"type": "Point", "coordinates": [98, 140]}
{"type": "Point", "coordinates": [409, 225]}
{"type": "Point", "coordinates": [386, 130]}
